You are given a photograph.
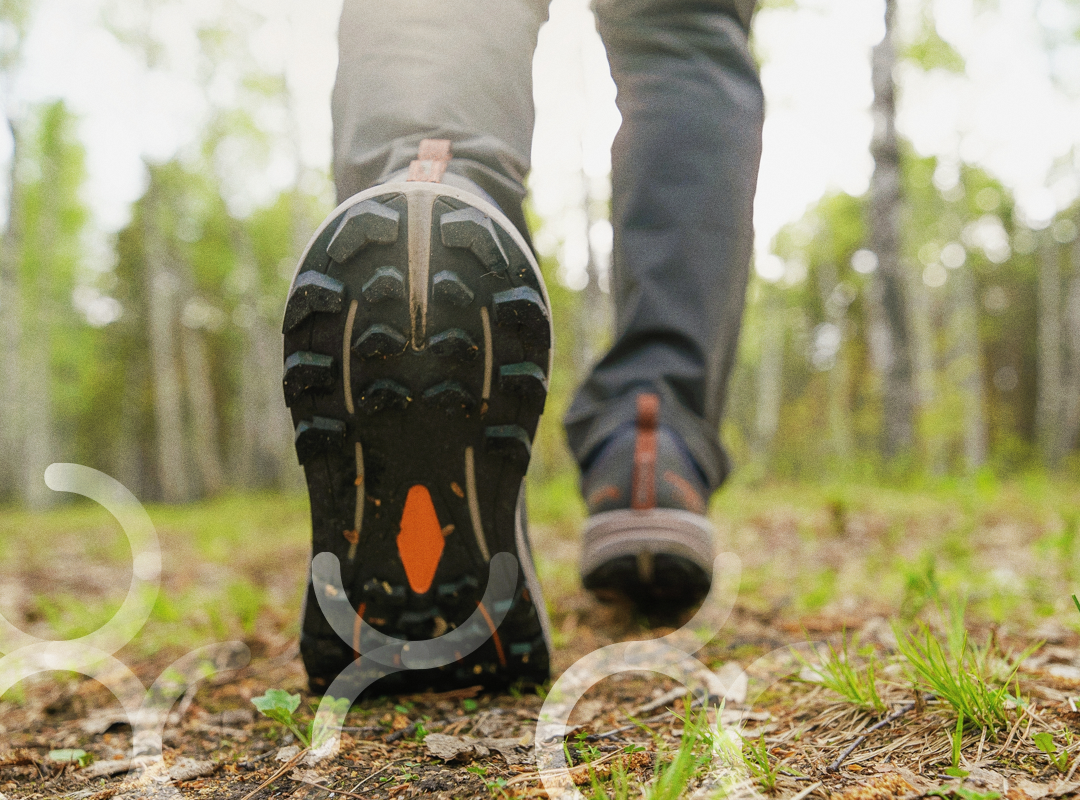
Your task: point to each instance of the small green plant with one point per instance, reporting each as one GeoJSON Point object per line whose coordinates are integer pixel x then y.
{"type": "Point", "coordinates": [469, 705]}
{"type": "Point", "coordinates": [586, 752]}
{"type": "Point", "coordinates": [858, 686]}
{"type": "Point", "coordinates": [673, 777]}
{"type": "Point", "coordinates": [962, 680]}
{"type": "Point", "coordinates": [1045, 742]}
{"type": "Point", "coordinates": [957, 740]}
{"type": "Point", "coordinates": [497, 787]}
{"type": "Point", "coordinates": [279, 705]}
{"type": "Point", "coordinates": [477, 769]}
{"type": "Point", "coordinates": [962, 793]}
{"type": "Point", "coordinates": [420, 731]}
{"type": "Point", "coordinates": [80, 757]}
{"type": "Point", "coordinates": [756, 757]}
{"type": "Point", "coordinates": [620, 784]}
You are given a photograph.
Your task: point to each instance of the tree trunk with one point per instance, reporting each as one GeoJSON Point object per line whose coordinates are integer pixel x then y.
{"type": "Point", "coordinates": [37, 418]}
{"type": "Point", "coordinates": [770, 386]}
{"type": "Point", "coordinates": [924, 371]}
{"type": "Point", "coordinates": [262, 453]}
{"type": "Point", "coordinates": [965, 368]}
{"type": "Point", "coordinates": [835, 302]}
{"type": "Point", "coordinates": [890, 335]}
{"type": "Point", "coordinates": [204, 421]}
{"type": "Point", "coordinates": [1070, 423]}
{"type": "Point", "coordinates": [161, 322]}
{"type": "Point", "coordinates": [1048, 390]}
{"type": "Point", "coordinates": [11, 444]}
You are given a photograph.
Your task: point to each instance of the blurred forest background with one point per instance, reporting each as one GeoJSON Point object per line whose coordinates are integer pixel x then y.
{"type": "Point", "coordinates": [924, 330]}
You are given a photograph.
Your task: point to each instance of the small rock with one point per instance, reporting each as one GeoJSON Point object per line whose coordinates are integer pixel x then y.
{"type": "Point", "coordinates": [449, 748]}
{"type": "Point", "coordinates": [188, 769]}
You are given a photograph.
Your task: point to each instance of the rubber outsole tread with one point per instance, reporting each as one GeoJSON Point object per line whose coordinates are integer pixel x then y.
{"type": "Point", "coordinates": [454, 343]}
{"type": "Point", "coordinates": [317, 435]}
{"type": "Point", "coordinates": [473, 230]}
{"type": "Point", "coordinates": [381, 395]}
{"type": "Point", "coordinates": [307, 372]}
{"type": "Point", "coordinates": [447, 287]}
{"type": "Point", "coordinates": [524, 309]}
{"type": "Point", "coordinates": [441, 385]}
{"type": "Point", "coordinates": [312, 292]}
{"type": "Point", "coordinates": [366, 223]}
{"type": "Point", "coordinates": [386, 284]}
{"type": "Point", "coordinates": [380, 341]}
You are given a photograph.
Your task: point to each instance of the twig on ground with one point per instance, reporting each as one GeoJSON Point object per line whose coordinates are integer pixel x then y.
{"type": "Point", "coordinates": [400, 734]}
{"type": "Point", "coordinates": [327, 788]}
{"type": "Point", "coordinates": [808, 790]}
{"type": "Point", "coordinates": [275, 776]}
{"type": "Point", "coordinates": [376, 772]}
{"type": "Point", "coordinates": [834, 766]}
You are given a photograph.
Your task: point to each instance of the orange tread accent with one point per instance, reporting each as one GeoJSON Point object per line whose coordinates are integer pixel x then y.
{"type": "Point", "coordinates": [420, 542]}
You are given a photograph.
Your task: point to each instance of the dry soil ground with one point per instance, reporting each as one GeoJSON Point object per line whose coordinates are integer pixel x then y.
{"type": "Point", "coordinates": [816, 565]}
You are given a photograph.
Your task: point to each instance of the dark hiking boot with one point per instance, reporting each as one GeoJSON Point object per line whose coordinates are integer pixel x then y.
{"type": "Point", "coordinates": [647, 537]}
{"type": "Point", "coordinates": [417, 352]}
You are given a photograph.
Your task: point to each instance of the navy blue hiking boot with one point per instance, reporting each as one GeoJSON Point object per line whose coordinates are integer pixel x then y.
{"type": "Point", "coordinates": [417, 352]}
{"type": "Point", "coordinates": [647, 537]}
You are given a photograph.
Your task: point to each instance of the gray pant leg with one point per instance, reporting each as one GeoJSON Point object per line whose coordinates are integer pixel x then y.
{"type": "Point", "coordinates": [684, 172]}
{"type": "Point", "coordinates": [436, 69]}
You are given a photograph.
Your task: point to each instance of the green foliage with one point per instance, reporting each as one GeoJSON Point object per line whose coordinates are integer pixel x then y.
{"type": "Point", "coordinates": [957, 739]}
{"type": "Point", "coordinates": [279, 705]}
{"type": "Point", "coordinates": [858, 685]}
{"type": "Point", "coordinates": [80, 757]}
{"type": "Point", "coordinates": [962, 793]}
{"type": "Point", "coordinates": [1045, 742]}
{"type": "Point", "coordinates": [963, 678]}
{"type": "Point", "coordinates": [756, 756]}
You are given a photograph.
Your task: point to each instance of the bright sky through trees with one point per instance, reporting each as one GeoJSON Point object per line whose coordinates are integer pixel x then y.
{"type": "Point", "coordinates": [1015, 110]}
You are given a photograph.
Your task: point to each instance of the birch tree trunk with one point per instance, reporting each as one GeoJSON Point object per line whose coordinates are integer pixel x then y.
{"type": "Point", "coordinates": [835, 302]}
{"type": "Point", "coordinates": [770, 378]}
{"type": "Point", "coordinates": [204, 421]}
{"type": "Point", "coordinates": [1070, 424]}
{"type": "Point", "coordinates": [1048, 390]}
{"type": "Point", "coordinates": [966, 368]}
{"type": "Point", "coordinates": [11, 444]}
{"type": "Point", "coordinates": [161, 321]}
{"type": "Point", "coordinates": [36, 362]}
{"type": "Point", "coordinates": [890, 335]}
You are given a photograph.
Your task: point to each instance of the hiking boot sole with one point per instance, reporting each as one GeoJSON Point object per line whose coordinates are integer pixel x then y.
{"type": "Point", "coordinates": [417, 353]}
{"type": "Point", "coordinates": [660, 559]}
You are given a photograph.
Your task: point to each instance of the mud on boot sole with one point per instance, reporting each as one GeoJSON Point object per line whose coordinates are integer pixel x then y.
{"type": "Point", "coordinates": [417, 353]}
